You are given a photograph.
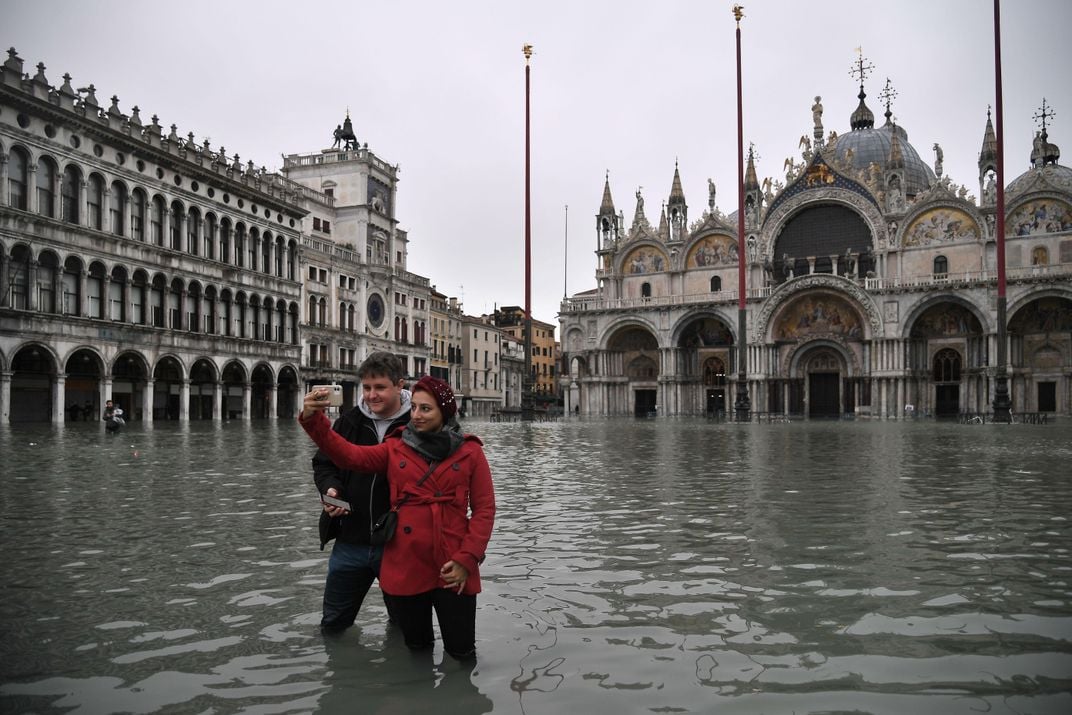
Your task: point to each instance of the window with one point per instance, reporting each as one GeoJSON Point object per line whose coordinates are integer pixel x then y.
{"type": "Point", "coordinates": [70, 194]}
{"type": "Point", "coordinates": [156, 222]}
{"type": "Point", "coordinates": [17, 178]}
{"type": "Point", "coordinates": [327, 226]}
{"type": "Point", "coordinates": [46, 180]}
{"type": "Point", "coordinates": [117, 208]}
{"type": "Point", "coordinates": [941, 266]}
{"type": "Point", "coordinates": [1040, 256]}
{"type": "Point", "coordinates": [96, 202]}
{"type": "Point", "coordinates": [137, 215]}
{"type": "Point", "coordinates": [645, 290]}
{"type": "Point", "coordinates": [316, 223]}
{"type": "Point", "coordinates": [716, 284]}
{"type": "Point", "coordinates": [312, 273]}
{"type": "Point", "coordinates": [947, 366]}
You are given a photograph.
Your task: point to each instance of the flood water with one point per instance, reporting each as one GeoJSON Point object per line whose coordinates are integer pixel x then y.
{"type": "Point", "coordinates": [636, 567]}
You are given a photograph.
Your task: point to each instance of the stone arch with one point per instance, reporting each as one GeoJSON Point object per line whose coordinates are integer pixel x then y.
{"type": "Point", "coordinates": [940, 222]}
{"type": "Point", "coordinates": [262, 380]}
{"type": "Point", "coordinates": [794, 206]}
{"type": "Point", "coordinates": [929, 302]}
{"type": "Point", "coordinates": [871, 324]}
{"type": "Point", "coordinates": [34, 368]}
{"type": "Point", "coordinates": [624, 323]}
{"type": "Point", "coordinates": [710, 249]}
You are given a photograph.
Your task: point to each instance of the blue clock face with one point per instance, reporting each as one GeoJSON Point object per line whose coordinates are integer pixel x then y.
{"type": "Point", "coordinates": [375, 310]}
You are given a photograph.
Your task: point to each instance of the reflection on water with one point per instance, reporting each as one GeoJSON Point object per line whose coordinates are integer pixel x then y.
{"type": "Point", "coordinates": [666, 566]}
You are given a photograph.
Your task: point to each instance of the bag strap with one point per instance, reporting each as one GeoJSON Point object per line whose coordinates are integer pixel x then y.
{"type": "Point", "coordinates": [405, 497]}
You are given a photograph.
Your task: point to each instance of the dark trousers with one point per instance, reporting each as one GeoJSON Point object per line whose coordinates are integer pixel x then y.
{"type": "Point", "coordinates": [351, 570]}
{"type": "Point", "coordinates": [455, 612]}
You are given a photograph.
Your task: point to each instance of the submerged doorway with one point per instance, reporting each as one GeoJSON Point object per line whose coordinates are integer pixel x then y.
{"type": "Point", "coordinates": [716, 402]}
{"type": "Point", "coordinates": [946, 400]}
{"type": "Point", "coordinates": [823, 395]}
{"type": "Point", "coordinates": [644, 402]}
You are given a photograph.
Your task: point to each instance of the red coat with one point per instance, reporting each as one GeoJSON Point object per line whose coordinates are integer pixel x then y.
{"type": "Point", "coordinates": [434, 525]}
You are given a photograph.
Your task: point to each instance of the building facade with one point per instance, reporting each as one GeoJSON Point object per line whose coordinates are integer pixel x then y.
{"type": "Point", "coordinates": [481, 376]}
{"type": "Point", "coordinates": [359, 297]}
{"type": "Point", "coordinates": [446, 358]}
{"type": "Point", "coordinates": [511, 319]}
{"type": "Point", "coordinates": [138, 265]}
{"type": "Point", "coordinates": [871, 289]}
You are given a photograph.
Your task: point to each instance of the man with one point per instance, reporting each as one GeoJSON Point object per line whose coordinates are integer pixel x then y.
{"type": "Point", "coordinates": [383, 406]}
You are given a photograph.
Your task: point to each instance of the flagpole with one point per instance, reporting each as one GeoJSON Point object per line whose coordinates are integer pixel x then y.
{"type": "Point", "coordinates": [526, 383]}
{"type": "Point", "coordinates": [1002, 402]}
{"type": "Point", "coordinates": [742, 405]}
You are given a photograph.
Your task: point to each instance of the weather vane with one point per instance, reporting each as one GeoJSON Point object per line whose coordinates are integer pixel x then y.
{"type": "Point", "coordinates": [527, 50]}
{"type": "Point", "coordinates": [1043, 114]}
{"type": "Point", "coordinates": [861, 67]}
{"type": "Point", "coordinates": [738, 13]}
{"type": "Point", "coordinates": [887, 95]}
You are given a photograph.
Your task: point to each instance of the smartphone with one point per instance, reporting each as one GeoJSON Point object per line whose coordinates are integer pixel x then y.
{"type": "Point", "coordinates": [332, 501]}
{"type": "Point", "coordinates": [334, 394]}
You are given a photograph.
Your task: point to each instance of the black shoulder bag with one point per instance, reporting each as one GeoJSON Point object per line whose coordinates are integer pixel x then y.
{"type": "Point", "coordinates": [384, 528]}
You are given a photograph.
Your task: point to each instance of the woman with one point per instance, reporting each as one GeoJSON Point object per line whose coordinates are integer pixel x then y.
{"type": "Point", "coordinates": [441, 484]}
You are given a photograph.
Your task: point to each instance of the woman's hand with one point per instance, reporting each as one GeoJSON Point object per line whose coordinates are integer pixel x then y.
{"type": "Point", "coordinates": [454, 574]}
{"type": "Point", "coordinates": [315, 401]}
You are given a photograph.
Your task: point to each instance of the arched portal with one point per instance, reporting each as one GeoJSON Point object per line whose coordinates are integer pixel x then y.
{"type": "Point", "coordinates": [82, 386]}
{"type": "Point", "coordinates": [261, 385]}
{"type": "Point", "coordinates": [167, 389]}
{"type": "Point", "coordinates": [202, 389]}
{"type": "Point", "coordinates": [234, 389]}
{"type": "Point", "coordinates": [633, 353]}
{"type": "Point", "coordinates": [33, 374]}
{"type": "Point", "coordinates": [821, 390]}
{"type": "Point", "coordinates": [704, 351]}
{"type": "Point", "coordinates": [129, 381]}
{"type": "Point", "coordinates": [287, 393]}
{"type": "Point", "coordinates": [1040, 353]}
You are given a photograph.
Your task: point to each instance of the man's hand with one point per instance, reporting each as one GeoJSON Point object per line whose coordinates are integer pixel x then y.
{"type": "Point", "coordinates": [334, 511]}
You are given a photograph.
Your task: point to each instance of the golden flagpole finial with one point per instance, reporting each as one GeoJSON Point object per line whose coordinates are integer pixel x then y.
{"type": "Point", "coordinates": [738, 13]}
{"type": "Point", "coordinates": [527, 49]}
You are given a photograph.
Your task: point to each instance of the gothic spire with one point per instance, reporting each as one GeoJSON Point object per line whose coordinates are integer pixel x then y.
{"type": "Point", "coordinates": [606, 208]}
{"type": "Point", "coordinates": [988, 154]}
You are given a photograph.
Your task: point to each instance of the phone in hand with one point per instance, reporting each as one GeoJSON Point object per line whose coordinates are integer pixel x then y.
{"type": "Point", "coordinates": [334, 394]}
{"type": "Point", "coordinates": [332, 501]}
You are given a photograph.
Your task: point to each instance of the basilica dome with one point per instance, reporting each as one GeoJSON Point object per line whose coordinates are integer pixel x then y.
{"type": "Point", "coordinates": [864, 145]}
{"type": "Point", "coordinates": [1054, 175]}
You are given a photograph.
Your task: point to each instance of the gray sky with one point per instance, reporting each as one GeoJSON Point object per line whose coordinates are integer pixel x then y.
{"type": "Point", "coordinates": [617, 85]}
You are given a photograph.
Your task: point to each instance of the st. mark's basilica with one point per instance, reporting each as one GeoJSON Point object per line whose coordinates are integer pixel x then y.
{"type": "Point", "coordinates": [871, 287]}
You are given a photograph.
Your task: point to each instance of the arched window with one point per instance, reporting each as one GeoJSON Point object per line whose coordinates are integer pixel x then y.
{"type": "Point", "coordinates": [175, 226]}
{"type": "Point", "coordinates": [323, 316]}
{"type": "Point", "coordinates": [17, 178]}
{"type": "Point", "coordinates": [95, 202]}
{"type": "Point", "coordinates": [46, 192]}
{"type": "Point", "coordinates": [254, 244]}
{"type": "Point", "coordinates": [342, 316]}
{"type": "Point", "coordinates": [280, 250]}
{"type": "Point", "coordinates": [312, 310]}
{"type": "Point", "coordinates": [225, 240]}
{"type": "Point", "coordinates": [210, 236]}
{"type": "Point", "coordinates": [240, 248]}
{"type": "Point", "coordinates": [95, 291]}
{"type": "Point", "coordinates": [941, 266]}
{"type": "Point", "coordinates": [70, 194]}
{"type": "Point", "coordinates": [266, 253]}
{"type": "Point", "coordinates": [1040, 256]}
{"type": "Point", "coordinates": [117, 207]}
{"type": "Point", "coordinates": [193, 227]}
{"type": "Point", "coordinates": [18, 277]}
{"type": "Point", "coordinates": [947, 366]}
{"type": "Point", "coordinates": [156, 221]}
{"type": "Point", "coordinates": [716, 284]}
{"type": "Point", "coordinates": [137, 215]}
{"type": "Point", "coordinates": [645, 290]}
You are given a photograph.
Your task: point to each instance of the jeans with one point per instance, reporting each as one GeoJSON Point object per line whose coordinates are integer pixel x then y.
{"type": "Point", "coordinates": [351, 570]}
{"type": "Point", "coordinates": [455, 612]}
